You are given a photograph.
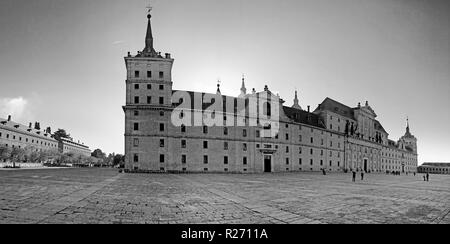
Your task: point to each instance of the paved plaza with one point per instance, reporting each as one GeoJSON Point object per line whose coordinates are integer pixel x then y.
{"type": "Point", "coordinates": [106, 196]}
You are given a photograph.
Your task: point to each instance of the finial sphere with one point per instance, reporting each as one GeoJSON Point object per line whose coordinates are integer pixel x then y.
{"type": "Point", "coordinates": [149, 16]}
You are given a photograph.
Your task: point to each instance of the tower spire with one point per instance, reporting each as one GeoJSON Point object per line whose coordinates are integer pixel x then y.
{"type": "Point", "coordinates": [243, 89]}
{"type": "Point", "coordinates": [296, 102]}
{"type": "Point", "coordinates": [149, 50]}
{"type": "Point", "coordinates": [407, 125]}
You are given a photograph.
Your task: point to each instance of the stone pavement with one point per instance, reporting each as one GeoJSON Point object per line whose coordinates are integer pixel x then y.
{"type": "Point", "coordinates": [105, 196]}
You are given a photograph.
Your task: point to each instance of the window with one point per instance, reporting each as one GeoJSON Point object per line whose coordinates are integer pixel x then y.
{"type": "Point", "coordinates": [149, 99]}
{"type": "Point", "coordinates": [183, 129]}
{"type": "Point", "coordinates": [287, 161]}
{"type": "Point", "coordinates": [205, 159]}
{"type": "Point", "coordinates": [136, 142]}
{"type": "Point", "coordinates": [161, 127]}
{"type": "Point", "coordinates": [136, 158]}
{"type": "Point", "coordinates": [136, 100]}
{"type": "Point", "coordinates": [311, 151]}
{"type": "Point", "coordinates": [244, 160]}
{"type": "Point", "coordinates": [299, 150]}
{"type": "Point", "coordinates": [225, 131]}
{"type": "Point", "coordinates": [136, 74]}
{"type": "Point", "coordinates": [135, 125]}
{"type": "Point", "coordinates": [205, 129]}
{"type": "Point", "coordinates": [161, 75]}
{"type": "Point", "coordinates": [161, 100]}
{"type": "Point", "coordinates": [136, 86]}
{"type": "Point", "coordinates": [312, 140]}
{"type": "Point", "coordinates": [149, 87]}
{"type": "Point", "coordinates": [258, 134]}
{"type": "Point", "coordinates": [244, 133]}
{"type": "Point", "coordinates": [161, 143]}
{"type": "Point", "coordinates": [161, 158]}
{"type": "Point", "coordinates": [183, 159]}
{"type": "Point", "coordinates": [161, 87]}
{"type": "Point", "coordinates": [331, 163]}
{"type": "Point", "coordinates": [287, 149]}
{"type": "Point", "coordinates": [225, 160]}
{"type": "Point", "coordinates": [331, 144]}
{"type": "Point", "coordinates": [300, 161]}
{"type": "Point", "coordinates": [311, 162]}
{"type": "Point", "coordinates": [225, 146]}
{"type": "Point", "coordinates": [244, 147]}
{"type": "Point", "coordinates": [161, 113]}
{"type": "Point", "coordinates": [300, 138]}
{"type": "Point", "coordinates": [321, 162]}
{"type": "Point", "coordinates": [287, 137]}
{"type": "Point", "coordinates": [136, 113]}
{"type": "Point", "coordinates": [149, 74]}
{"type": "Point", "coordinates": [205, 144]}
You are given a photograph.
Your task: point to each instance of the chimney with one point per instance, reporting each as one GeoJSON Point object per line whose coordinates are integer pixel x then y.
{"type": "Point", "coordinates": [309, 108]}
{"type": "Point", "coordinates": [31, 125]}
{"type": "Point", "coordinates": [9, 117]}
{"type": "Point", "coordinates": [129, 54]}
{"type": "Point", "coordinates": [37, 126]}
{"type": "Point", "coordinates": [168, 55]}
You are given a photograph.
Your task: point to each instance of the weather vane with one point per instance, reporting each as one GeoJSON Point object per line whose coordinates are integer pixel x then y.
{"type": "Point", "coordinates": [149, 8]}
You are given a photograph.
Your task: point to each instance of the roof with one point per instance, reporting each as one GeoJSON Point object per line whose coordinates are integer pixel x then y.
{"type": "Point", "coordinates": [11, 125]}
{"type": "Point", "coordinates": [303, 117]}
{"type": "Point", "coordinates": [74, 143]}
{"type": "Point", "coordinates": [379, 127]}
{"type": "Point", "coordinates": [337, 107]}
{"type": "Point", "coordinates": [297, 115]}
{"type": "Point", "coordinates": [436, 164]}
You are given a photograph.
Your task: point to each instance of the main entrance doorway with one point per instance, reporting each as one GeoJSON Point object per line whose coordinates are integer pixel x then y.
{"type": "Point", "coordinates": [267, 163]}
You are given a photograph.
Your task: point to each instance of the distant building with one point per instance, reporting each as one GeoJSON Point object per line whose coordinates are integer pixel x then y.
{"type": "Point", "coordinates": [434, 168]}
{"type": "Point", "coordinates": [16, 135]}
{"type": "Point", "coordinates": [334, 137]}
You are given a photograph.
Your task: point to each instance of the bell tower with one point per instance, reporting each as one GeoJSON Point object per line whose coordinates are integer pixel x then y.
{"type": "Point", "coordinates": [148, 94]}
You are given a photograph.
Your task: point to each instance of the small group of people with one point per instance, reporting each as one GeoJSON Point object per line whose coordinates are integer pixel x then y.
{"type": "Point", "coordinates": [426, 177]}
{"type": "Point", "coordinates": [354, 175]}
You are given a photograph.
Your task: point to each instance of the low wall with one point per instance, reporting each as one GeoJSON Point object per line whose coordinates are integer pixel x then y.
{"type": "Point", "coordinates": [22, 165]}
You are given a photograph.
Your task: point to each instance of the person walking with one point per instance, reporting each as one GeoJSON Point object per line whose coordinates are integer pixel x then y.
{"type": "Point", "coordinates": [362, 175]}
{"type": "Point", "coordinates": [428, 177]}
{"type": "Point", "coordinates": [354, 176]}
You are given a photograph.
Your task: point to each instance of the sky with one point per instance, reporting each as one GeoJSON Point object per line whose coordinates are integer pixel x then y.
{"type": "Point", "coordinates": [61, 61]}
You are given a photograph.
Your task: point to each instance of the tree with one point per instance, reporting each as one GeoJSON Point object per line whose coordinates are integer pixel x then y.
{"type": "Point", "coordinates": [61, 133]}
{"type": "Point", "coordinates": [5, 153]}
{"type": "Point", "coordinates": [97, 153]}
{"type": "Point", "coordinates": [118, 160]}
{"type": "Point", "coordinates": [17, 155]}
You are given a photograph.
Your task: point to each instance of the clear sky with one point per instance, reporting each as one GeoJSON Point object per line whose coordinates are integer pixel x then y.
{"type": "Point", "coordinates": [61, 61]}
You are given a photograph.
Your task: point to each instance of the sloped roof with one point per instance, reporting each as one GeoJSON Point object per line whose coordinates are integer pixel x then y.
{"type": "Point", "coordinates": [337, 107]}
{"type": "Point", "coordinates": [303, 117]}
{"type": "Point", "coordinates": [11, 125]}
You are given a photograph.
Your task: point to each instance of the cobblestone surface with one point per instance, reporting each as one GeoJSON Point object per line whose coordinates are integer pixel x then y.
{"type": "Point", "coordinates": [105, 196]}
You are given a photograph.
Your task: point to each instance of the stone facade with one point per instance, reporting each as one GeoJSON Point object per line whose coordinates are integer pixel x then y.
{"type": "Point", "coordinates": [334, 137]}
{"type": "Point", "coordinates": [435, 168]}
{"type": "Point", "coordinates": [16, 135]}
